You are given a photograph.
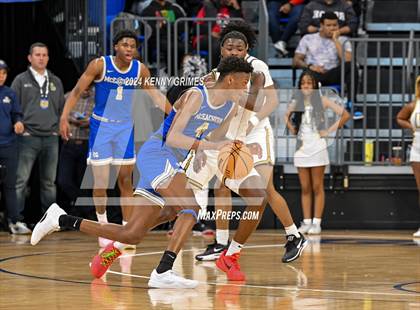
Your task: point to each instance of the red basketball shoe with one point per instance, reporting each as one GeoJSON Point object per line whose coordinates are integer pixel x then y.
{"type": "Point", "coordinates": [101, 262]}
{"type": "Point", "coordinates": [230, 265]}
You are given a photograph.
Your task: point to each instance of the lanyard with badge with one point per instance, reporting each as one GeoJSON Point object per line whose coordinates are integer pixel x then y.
{"type": "Point", "coordinates": [44, 90]}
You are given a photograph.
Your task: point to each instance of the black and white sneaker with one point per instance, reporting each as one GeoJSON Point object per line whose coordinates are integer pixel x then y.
{"type": "Point", "coordinates": [212, 252]}
{"type": "Point", "coordinates": [294, 247]}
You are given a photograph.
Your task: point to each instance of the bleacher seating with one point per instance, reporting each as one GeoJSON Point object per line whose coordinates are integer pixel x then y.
{"type": "Point", "coordinates": [381, 92]}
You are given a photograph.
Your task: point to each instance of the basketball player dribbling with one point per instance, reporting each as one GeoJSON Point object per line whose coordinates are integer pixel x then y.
{"type": "Point", "coordinates": [195, 115]}
{"type": "Point", "coordinates": [111, 140]}
{"type": "Point", "coordinates": [237, 39]}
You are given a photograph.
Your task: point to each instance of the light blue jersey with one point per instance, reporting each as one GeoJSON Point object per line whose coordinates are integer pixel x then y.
{"type": "Point", "coordinates": [158, 161]}
{"type": "Point", "coordinates": [111, 139]}
{"type": "Point", "coordinates": [114, 91]}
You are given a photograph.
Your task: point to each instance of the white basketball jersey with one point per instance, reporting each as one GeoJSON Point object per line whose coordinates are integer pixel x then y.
{"type": "Point", "coordinates": [239, 124]}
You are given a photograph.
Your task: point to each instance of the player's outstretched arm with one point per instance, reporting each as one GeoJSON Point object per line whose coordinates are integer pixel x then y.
{"type": "Point", "coordinates": [158, 98]}
{"type": "Point", "coordinates": [92, 72]}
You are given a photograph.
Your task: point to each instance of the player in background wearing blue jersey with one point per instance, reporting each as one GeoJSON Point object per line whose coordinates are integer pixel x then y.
{"type": "Point", "coordinates": [163, 183]}
{"type": "Point", "coordinates": [111, 124]}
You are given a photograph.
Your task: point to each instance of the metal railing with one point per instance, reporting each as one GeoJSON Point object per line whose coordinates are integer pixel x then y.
{"type": "Point", "coordinates": [385, 68]}
{"type": "Point", "coordinates": [196, 38]}
{"type": "Point", "coordinates": [285, 143]}
{"type": "Point", "coordinates": [149, 31]}
{"type": "Point", "coordinates": [263, 37]}
{"type": "Point", "coordinates": [187, 35]}
{"type": "Point", "coordinates": [82, 24]}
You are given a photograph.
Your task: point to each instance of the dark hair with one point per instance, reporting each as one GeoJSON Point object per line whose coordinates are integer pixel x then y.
{"type": "Point", "coordinates": [37, 44]}
{"type": "Point", "coordinates": [234, 35]}
{"type": "Point", "coordinates": [242, 27]}
{"type": "Point", "coordinates": [125, 34]}
{"type": "Point", "coordinates": [233, 64]}
{"type": "Point", "coordinates": [315, 100]}
{"type": "Point", "coordinates": [328, 15]}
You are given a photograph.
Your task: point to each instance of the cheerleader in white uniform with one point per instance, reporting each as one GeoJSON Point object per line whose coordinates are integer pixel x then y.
{"type": "Point", "coordinates": [306, 118]}
{"type": "Point", "coordinates": [409, 117]}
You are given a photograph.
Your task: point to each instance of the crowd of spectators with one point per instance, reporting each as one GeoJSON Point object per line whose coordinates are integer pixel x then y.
{"type": "Point", "coordinates": [298, 19]}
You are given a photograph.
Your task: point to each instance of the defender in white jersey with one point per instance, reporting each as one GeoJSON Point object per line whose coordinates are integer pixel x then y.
{"type": "Point", "coordinates": [252, 128]}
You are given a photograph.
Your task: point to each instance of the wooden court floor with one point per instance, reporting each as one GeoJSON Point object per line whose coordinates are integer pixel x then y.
{"type": "Point", "coordinates": [339, 270]}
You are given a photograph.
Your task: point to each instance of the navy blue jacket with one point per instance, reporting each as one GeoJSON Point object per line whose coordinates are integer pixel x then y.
{"type": "Point", "coordinates": [10, 113]}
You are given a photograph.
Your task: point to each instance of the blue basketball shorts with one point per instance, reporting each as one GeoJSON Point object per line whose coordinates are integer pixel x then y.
{"type": "Point", "coordinates": [156, 164]}
{"type": "Point", "coordinates": [111, 143]}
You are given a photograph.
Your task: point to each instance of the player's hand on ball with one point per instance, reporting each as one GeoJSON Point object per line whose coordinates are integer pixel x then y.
{"type": "Point", "coordinates": [224, 143]}
{"type": "Point", "coordinates": [200, 160]}
{"type": "Point", "coordinates": [255, 149]}
{"type": "Point", "coordinates": [235, 161]}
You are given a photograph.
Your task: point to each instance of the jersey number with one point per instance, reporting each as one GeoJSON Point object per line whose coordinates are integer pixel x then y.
{"type": "Point", "coordinates": [200, 130]}
{"type": "Point", "coordinates": [119, 95]}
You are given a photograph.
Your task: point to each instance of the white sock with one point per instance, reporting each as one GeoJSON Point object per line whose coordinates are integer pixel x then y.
{"type": "Point", "coordinates": [102, 218]}
{"type": "Point", "coordinates": [202, 197]}
{"type": "Point", "coordinates": [307, 221]}
{"type": "Point", "coordinates": [120, 246]}
{"type": "Point", "coordinates": [292, 230]}
{"type": "Point", "coordinates": [124, 223]}
{"type": "Point", "coordinates": [316, 221]}
{"type": "Point", "coordinates": [234, 247]}
{"type": "Point", "coordinates": [222, 236]}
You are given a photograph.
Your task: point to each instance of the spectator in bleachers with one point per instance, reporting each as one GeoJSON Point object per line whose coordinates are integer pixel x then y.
{"type": "Point", "coordinates": [278, 9]}
{"type": "Point", "coordinates": [10, 125]}
{"type": "Point", "coordinates": [223, 10]}
{"type": "Point", "coordinates": [170, 11]}
{"type": "Point", "coordinates": [357, 7]}
{"type": "Point", "coordinates": [408, 118]}
{"type": "Point", "coordinates": [310, 21]}
{"type": "Point", "coordinates": [41, 95]}
{"type": "Point", "coordinates": [136, 6]}
{"type": "Point", "coordinates": [306, 118]}
{"type": "Point", "coordinates": [73, 154]}
{"type": "Point", "coordinates": [191, 7]}
{"type": "Point", "coordinates": [321, 52]}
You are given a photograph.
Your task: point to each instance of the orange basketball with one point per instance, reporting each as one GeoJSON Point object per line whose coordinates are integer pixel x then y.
{"type": "Point", "coordinates": [235, 162]}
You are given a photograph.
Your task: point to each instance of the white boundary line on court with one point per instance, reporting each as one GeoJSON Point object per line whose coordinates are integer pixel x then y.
{"type": "Point", "coordinates": [261, 286]}
{"type": "Point", "coordinates": [370, 237]}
